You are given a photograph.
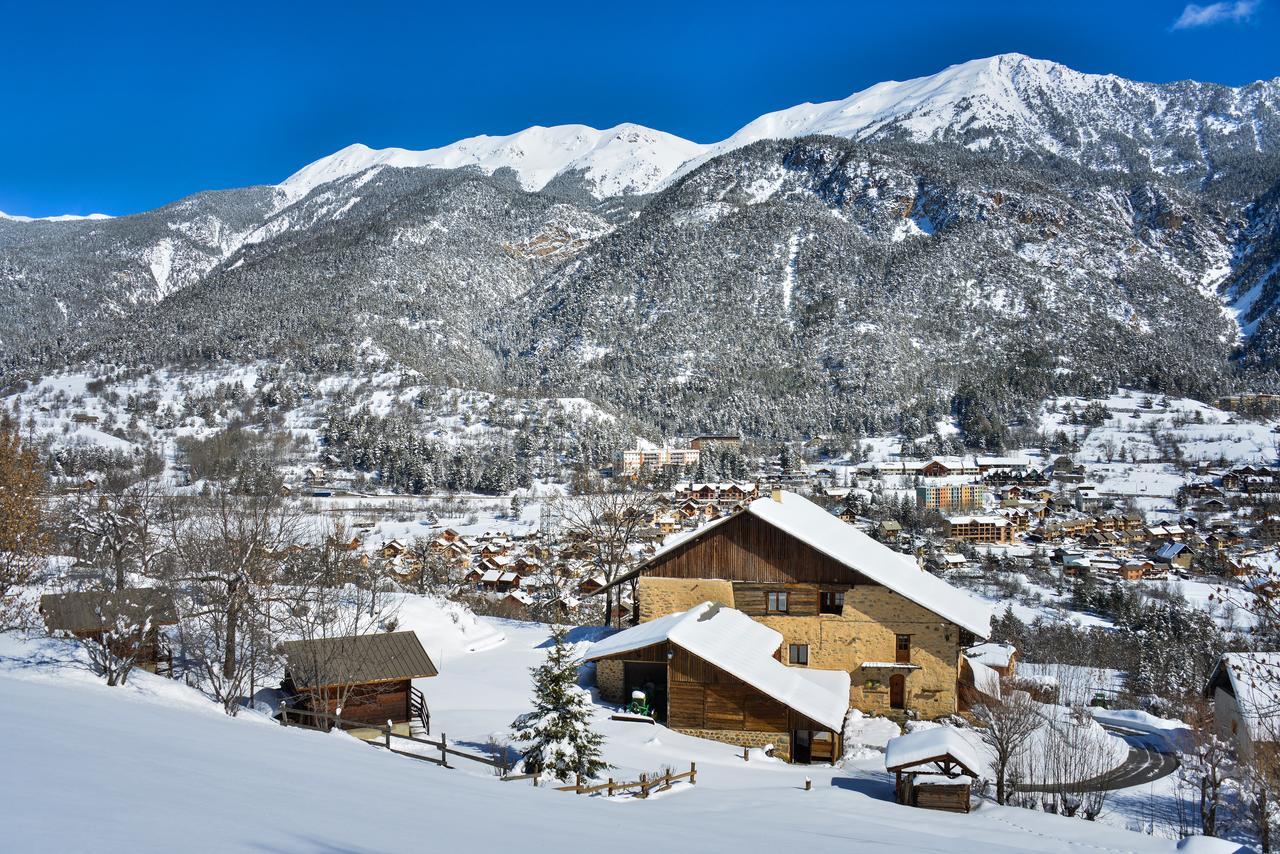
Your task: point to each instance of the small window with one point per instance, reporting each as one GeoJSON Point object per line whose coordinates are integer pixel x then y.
{"type": "Point", "coordinates": [777, 603]}
{"type": "Point", "coordinates": [833, 602]}
{"type": "Point", "coordinates": [903, 649]}
{"type": "Point", "coordinates": [799, 654]}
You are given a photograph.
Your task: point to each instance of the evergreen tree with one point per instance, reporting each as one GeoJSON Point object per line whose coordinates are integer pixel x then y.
{"type": "Point", "coordinates": [556, 736]}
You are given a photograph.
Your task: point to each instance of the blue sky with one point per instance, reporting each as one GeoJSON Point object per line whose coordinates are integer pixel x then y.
{"type": "Point", "coordinates": [121, 107]}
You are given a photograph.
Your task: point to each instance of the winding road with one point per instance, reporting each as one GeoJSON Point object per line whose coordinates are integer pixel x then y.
{"type": "Point", "coordinates": [1149, 760]}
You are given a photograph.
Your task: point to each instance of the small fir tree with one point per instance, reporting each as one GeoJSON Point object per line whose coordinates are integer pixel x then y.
{"type": "Point", "coordinates": [556, 736]}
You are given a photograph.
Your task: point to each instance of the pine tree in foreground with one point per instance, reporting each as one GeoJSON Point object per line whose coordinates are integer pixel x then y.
{"type": "Point", "coordinates": [556, 736]}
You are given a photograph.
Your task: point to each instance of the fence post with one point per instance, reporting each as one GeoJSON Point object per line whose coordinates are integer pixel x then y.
{"type": "Point", "coordinates": [284, 713]}
{"type": "Point", "coordinates": [444, 755]}
{"type": "Point", "coordinates": [535, 781]}
{"type": "Point", "coordinates": [808, 784]}
{"type": "Point", "coordinates": [644, 785]}
{"type": "Point", "coordinates": [388, 733]}
{"type": "Point", "coordinates": [577, 784]}
{"type": "Point", "coordinates": [693, 773]}
{"type": "Point", "coordinates": [611, 787]}
{"type": "Point", "coordinates": [746, 753]}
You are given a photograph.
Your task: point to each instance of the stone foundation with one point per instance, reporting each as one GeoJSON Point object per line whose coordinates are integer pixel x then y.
{"type": "Point", "coordinates": [781, 741]}
{"type": "Point", "coordinates": [610, 681]}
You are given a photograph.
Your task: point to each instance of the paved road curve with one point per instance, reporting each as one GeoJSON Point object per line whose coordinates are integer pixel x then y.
{"type": "Point", "coordinates": [1148, 761]}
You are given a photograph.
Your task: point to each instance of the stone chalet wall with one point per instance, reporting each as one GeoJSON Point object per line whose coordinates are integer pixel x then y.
{"type": "Point", "coordinates": [610, 681]}
{"type": "Point", "coordinates": [865, 632]}
{"type": "Point", "coordinates": [781, 741]}
{"type": "Point", "coordinates": [661, 596]}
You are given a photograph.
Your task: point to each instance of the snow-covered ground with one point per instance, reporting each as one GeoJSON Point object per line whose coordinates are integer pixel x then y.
{"type": "Point", "coordinates": [155, 766]}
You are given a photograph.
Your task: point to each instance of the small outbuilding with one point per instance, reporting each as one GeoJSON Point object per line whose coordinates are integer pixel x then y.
{"type": "Point", "coordinates": [129, 620]}
{"type": "Point", "coordinates": [933, 768]}
{"type": "Point", "coordinates": [713, 672]}
{"type": "Point", "coordinates": [360, 678]}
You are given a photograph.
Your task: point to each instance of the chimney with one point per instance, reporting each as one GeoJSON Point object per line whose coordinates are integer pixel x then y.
{"type": "Point", "coordinates": [776, 495]}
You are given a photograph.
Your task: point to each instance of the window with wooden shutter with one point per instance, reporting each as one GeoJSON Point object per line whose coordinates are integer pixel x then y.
{"type": "Point", "coordinates": [903, 649]}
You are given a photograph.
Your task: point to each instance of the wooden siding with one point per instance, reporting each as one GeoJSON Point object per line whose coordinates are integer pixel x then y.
{"type": "Point", "coordinates": [752, 599]}
{"type": "Point", "coordinates": [745, 548]}
{"type": "Point", "coordinates": [702, 696]}
{"type": "Point", "coordinates": [370, 703]}
{"type": "Point", "coordinates": [657, 652]}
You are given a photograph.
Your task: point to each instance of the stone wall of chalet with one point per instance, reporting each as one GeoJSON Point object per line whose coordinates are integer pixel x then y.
{"type": "Point", "coordinates": [610, 681]}
{"type": "Point", "coordinates": [781, 741]}
{"type": "Point", "coordinates": [658, 597]}
{"type": "Point", "coordinates": [865, 631]}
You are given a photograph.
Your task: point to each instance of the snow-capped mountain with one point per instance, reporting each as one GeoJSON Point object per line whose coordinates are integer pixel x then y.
{"type": "Point", "coordinates": [58, 218]}
{"type": "Point", "coordinates": [623, 160]}
{"type": "Point", "coordinates": [1017, 106]}
{"type": "Point", "coordinates": [1006, 223]}
{"type": "Point", "coordinates": [1010, 105]}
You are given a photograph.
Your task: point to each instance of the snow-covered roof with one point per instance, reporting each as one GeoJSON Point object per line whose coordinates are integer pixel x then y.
{"type": "Point", "coordinates": [998, 521]}
{"type": "Point", "coordinates": [842, 542]}
{"type": "Point", "coordinates": [1255, 681]}
{"type": "Point", "coordinates": [1170, 550]}
{"type": "Point", "coordinates": [925, 744]}
{"type": "Point", "coordinates": [809, 523]}
{"type": "Point", "coordinates": [991, 654]}
{"type": "Point", "coordinates": [490, 575]}
{"type": "Point", "coordinates": [985, 679]}
{"type": "Point", "coordinates": [740, 646]}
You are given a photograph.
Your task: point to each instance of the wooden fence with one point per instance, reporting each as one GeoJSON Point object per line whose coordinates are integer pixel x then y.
{"type": "Point", "coordinates": [325, 721]}
{"type": "Point", "coordinates": [643, 787]}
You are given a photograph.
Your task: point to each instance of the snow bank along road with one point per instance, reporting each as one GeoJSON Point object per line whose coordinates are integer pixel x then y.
{"type": "Point", "coordinates": [1149, 760]}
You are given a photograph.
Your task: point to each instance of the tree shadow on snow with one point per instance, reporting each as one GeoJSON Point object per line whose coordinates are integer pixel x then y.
{"type": "Point", "coordinates": [581, 634]}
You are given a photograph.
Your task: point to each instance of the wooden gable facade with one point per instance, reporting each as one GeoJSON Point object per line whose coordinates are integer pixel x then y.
{"type": "Point", "coordinates": [747, 549]}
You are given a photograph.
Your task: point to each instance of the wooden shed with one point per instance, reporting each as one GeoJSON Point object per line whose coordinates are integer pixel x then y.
{"type": "Point", "coordinates": [361, 678]}
{"type": "Point", "coordinates": [933, 769]}
{"type": "Point", "coordinates": [712, 672]}
{"type": "Point", "coordinates": [132, 617]}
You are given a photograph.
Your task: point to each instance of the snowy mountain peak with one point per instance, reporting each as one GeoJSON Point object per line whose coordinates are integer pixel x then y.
{"type": "Point", "coordinates": [621, 160]}
{"type": "Point", "coordinates": [1016, 105]}
{"type": "Point", "coordinates": [1010, 104]}
{"type": "Point", "coordinates": [58, 218]}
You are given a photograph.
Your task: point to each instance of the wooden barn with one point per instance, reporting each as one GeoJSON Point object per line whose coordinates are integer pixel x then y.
{"type": "Point", "coordinates": [933, 768]}
{"type": "Point", "coordinates": [140, 611]}
{"type": "Point", "coordinates": [369, 677]}
{"type": "Point", "coordinates": [712, 672]}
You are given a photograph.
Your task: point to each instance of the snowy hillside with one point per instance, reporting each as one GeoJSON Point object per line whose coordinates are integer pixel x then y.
{"type": "Point", "coordinates": [125, 760]}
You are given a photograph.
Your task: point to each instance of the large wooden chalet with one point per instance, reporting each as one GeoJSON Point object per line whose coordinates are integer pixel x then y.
{"type": "Point", "coordinates": [839, 600]}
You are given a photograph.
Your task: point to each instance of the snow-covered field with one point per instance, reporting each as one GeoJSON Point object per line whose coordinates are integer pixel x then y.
{"type": "Point", "coordinates": [155, 766]}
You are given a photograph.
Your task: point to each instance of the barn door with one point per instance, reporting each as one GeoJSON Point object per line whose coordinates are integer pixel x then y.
{"type": "Point", "coordinates": [897, 691]}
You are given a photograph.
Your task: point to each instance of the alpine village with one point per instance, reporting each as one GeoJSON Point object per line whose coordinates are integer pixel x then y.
{"type": "Point", "coordinates": [900, 473]}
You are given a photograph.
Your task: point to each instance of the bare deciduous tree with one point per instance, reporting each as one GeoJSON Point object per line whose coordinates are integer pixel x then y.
{"type": "Point", "coordinates": [24, 541]}
{"type": "Point", "coordinates": [225, 565]}
{"type": "Point", "coordinates": [1006, 726]}
{"type": "Point", "coordinates": [607, 521]}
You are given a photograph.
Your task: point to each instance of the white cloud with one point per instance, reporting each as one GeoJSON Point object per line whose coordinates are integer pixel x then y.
{"type": "Point", "coordinates": [1215, 13]}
